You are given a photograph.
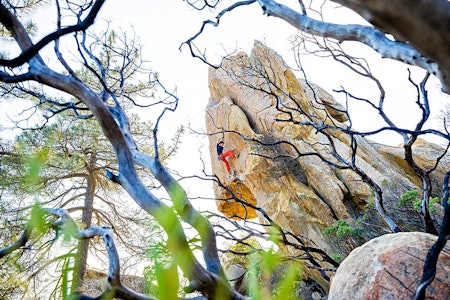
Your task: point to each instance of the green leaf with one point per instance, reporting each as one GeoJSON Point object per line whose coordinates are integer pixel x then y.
{"type": "Point", "coordinates": [167, 278]}
{"type": "Point", "coordinates": [254, 289]}
{"type": "Point", "coordinates": [68, 231]}
{"type": "Point", "coordinates": [287, 287]}
{"type": "Point", "coordinates": [270, 259]}
{"type": "Point", "coordinates": [37, 219]}
{"type": "Point", "coordinates": [35, 164]}
{"type": "Point", "coordinates": [178, 197]}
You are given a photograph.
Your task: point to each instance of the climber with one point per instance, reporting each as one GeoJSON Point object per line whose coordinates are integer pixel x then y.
{"type": "Point", "coordinates": [223, 156]}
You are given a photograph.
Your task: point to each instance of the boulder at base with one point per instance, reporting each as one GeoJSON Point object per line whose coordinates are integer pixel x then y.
{"type": "Point", "coordinates": [390, 267]}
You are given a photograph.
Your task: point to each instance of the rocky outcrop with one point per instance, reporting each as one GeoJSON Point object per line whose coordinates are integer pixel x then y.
{"type": "Point", "coordinates": [390, 267]}
{"type": "Point", "coordinates": [261, 110]}
{"type": "Point", "coordinates": [96, 281]}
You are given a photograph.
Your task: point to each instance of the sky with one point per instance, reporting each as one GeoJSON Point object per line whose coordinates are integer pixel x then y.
{"type": "Point", "coordinates": [163, 25]}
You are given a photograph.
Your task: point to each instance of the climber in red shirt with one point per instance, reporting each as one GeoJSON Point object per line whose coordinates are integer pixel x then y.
{"type": "Point", "coordinates": [223, 156]}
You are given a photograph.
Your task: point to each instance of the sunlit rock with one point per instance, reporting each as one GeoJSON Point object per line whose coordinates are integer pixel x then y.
{"type": "Point", "coordinates": [390, 267]}
{"type": "Point", "coordinates": [305, 195]}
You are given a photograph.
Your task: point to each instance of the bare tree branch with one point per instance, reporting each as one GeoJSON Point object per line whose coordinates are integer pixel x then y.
{"type": "Point", "coordinates": [64, 222]}
{"type": "Point", "coordinates": [429, 268]}
{"type": "Point", "coordinates": [201, 279]}
{"type": "Point", "coordinates": [28, 49]}
{"type": "Point", "coordinates": [423, 24]}
{"type": "Point", "coordinates": [437, 63]}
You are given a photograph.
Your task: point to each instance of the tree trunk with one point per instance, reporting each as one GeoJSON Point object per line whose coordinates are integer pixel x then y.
{"type": "Point", "coordinates": [86, 219]}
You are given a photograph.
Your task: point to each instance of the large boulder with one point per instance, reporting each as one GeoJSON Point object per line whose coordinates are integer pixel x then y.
{"type": "Point", "coordinates": [390, 267]}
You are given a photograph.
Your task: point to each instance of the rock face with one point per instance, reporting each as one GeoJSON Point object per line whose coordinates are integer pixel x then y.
{"type": "Point", "coordinates": [96, 281]}
{"type": "Point", "coordinates": [256, 106]}
{"type": "Point", "coordinates": [390, 267]}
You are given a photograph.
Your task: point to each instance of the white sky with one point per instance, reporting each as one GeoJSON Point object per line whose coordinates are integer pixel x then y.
{"type": "Point", "coordinates": [162, 25]}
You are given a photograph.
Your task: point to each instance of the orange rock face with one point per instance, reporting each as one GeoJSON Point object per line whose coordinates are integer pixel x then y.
{"type": "Point", "coordinates": [235, 209]}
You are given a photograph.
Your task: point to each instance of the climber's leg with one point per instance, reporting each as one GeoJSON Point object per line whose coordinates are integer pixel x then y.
{"type": "Point", "coordinates": [227, 165]}
{"type": "Point", "coordinates": [229, 153]}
